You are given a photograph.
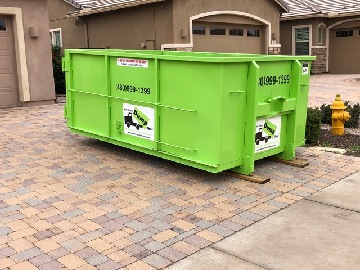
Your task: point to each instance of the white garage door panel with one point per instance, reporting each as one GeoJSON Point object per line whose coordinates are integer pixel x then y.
{"type": "Point", "coordinates": [8, 82]}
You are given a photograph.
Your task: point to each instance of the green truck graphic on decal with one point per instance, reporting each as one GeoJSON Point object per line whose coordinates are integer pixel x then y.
{"type": "Point", "coordinates": [141, 119]}
{"type": "Point", "coordinates": [138, 121]}
{"type": "Point", "coordinates": [267, 135]}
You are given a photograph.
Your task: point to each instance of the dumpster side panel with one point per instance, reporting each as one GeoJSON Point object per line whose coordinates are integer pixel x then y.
{"type": "Point", "coordinates": [190, 108]}
{"type": "Point", "coordinates": [90, 113]}
{"type": "Point", "coordinates": [87, 110]}
{"type": "Point", "coordinates": [233, 106]}
{"type": "Point", "coordinates": [89, 73]}
{"type": "Point", "coordinates": [133, 78]}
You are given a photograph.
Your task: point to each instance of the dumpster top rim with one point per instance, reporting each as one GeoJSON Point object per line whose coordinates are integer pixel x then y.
{"type": "Point", "coordinates": [190, 56]}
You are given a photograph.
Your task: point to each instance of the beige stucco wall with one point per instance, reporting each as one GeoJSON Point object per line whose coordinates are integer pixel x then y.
{"type": "Point", "coordinates": [72, 31]}
{"type": "Point", "coordinates": [184, 9]}
{"type": "Point", "coordinates": [128, 28]}
{"type": "Point", "coordinates": [38, 50]}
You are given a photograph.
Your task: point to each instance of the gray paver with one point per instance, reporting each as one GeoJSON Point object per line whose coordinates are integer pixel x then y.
{"type": "Point", "coordinates": [26, 254]}
{"type": "Point", "coordinates": [157, 261]}
{"type": "Point", "coordinates": [97, 259]}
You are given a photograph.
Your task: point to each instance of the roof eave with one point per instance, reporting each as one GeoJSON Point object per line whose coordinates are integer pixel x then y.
{"type": "Point", "coordinates": [321, 15]}
{"type": "Point", "coordinates": [71, 2]}
{"type": "Point", "coordinates": [89, 11]}
{"type": "Point", "coordinates": [283, 5]}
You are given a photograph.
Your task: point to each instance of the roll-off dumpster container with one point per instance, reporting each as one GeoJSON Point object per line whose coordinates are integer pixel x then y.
{"type": "Point", "coordinates": [208, 110]}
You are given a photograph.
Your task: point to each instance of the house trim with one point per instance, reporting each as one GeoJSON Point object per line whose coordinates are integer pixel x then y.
{"type": "Point", "coordinates": [212, 13]}
{"type": "Point", "coordinates": [328, 37]}
{"type": "Point", "coordinates": [20, 51]}
{"type": "Point", "coordinates": [293, 37]}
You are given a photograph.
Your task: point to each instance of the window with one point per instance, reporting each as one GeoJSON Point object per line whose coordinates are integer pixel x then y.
{"type": "Point", "coordinates": [199, 30]}
{"type": "Point", "coordinates": [217, 31]}
{"type": "Point", "coordinates": [236, 32]}
{"type": "Point", "coordinates": [2, 25]}
{"type": "Point", "coordinates": [55, 37]}
{"type": "Point", "coordinates": [344, 33]}
{"type": "Point", "coordinates": [251, 32]}
{"type": "Point", "coordinates": [302, 41]}
{"type": "Point", "coordinates": [321, 36]}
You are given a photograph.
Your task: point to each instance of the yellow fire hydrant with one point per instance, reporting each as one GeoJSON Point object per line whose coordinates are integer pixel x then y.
{"type": "Point", "coordinates": [339, 116]}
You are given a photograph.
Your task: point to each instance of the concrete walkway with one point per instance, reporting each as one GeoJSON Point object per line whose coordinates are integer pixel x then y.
{"type": "Point", "coordinates": [319, 232]}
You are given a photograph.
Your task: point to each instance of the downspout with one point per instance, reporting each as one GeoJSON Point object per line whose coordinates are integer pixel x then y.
{"type": "Point", "coordinates": [154, 27]}
{"type": "Point", "coordinates": [86, 34]}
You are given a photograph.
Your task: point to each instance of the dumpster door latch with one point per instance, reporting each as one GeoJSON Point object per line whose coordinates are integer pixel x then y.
{"type": "Point", "coordinates": [118, 125]}
{"type": "Point", "coordinates": [65, 66]}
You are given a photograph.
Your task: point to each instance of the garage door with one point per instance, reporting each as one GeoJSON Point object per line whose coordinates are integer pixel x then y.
{"type": "Point", "coordinates": [217, 37]}
{"type": "Point", "coordinates": [344, 54]}
{"type": "Point", "coordinates": [8, 85]}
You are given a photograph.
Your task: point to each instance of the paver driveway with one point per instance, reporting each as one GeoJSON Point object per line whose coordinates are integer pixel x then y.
{"type": "Point", "coordinates": [69, 202]}
{"type": "Point", "coordinates": [324, 87]}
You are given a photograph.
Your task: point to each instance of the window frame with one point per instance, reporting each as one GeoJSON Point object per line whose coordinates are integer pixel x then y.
{"type": "Point", "coordinates": [52, 36]}
{"type": "Point", "coordinates": [321, 34]}
{"type": "Point", "coordinates": [5, 24]}
{"type": "Point", "coordinates": [203, 28]}
{"type": "Point", "coordinates": [310, 41]}
{"type": "Point", "coordinates": [256, 32]}
{"type": "Point", "coordinates": [237, 30]}
{"type": "Point", "coordinates": [350, 33]}
{"type": "Point", "coordinates": [212, 28]}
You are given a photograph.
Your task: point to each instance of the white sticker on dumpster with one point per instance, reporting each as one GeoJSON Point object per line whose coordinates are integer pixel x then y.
{"type": "Point", "coordinates": [127, 62]}
{"type": "Point", "coordinates": [139, 121]}
{"type": "Point", "coordinates": [305, 69]}
{"type": "Point", "coordinates": [267, 134]}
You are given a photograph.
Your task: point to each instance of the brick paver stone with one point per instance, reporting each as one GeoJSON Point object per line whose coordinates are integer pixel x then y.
{"type": "Point", "coordinates": [67, 201]}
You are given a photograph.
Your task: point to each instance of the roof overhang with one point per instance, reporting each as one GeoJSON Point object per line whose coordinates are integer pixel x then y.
{"type": "Point", "coordinates": [73, 3]}
{"type": "Point", "coordinates": [320, 15]}
{"type": "Point", "coordinates": [88, 10]}
{"type": "Point", "coordinates": [283, 5]}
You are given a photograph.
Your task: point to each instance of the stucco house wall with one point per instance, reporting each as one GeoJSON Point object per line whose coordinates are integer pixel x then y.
{"type": "Point", "coordinates": [34, 74]}
{"type": "Point", "coordinates": [163, 25]}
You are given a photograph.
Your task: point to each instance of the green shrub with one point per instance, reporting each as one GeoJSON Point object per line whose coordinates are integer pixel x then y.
{"type": "Point", "coordinates": [355, 115]}
{"type": "Point", "coordinates": [313, 125]}
{"type": "Point", "coordinates": [59, 75]}
{"type": "Point", "coordinates": [326, 114]}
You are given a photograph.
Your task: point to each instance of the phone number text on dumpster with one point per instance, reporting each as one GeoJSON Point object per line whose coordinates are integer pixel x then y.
{"type": "Point", "coordinates": [273, 80]}
{"type": "Point", "coordinates": [132, 89]}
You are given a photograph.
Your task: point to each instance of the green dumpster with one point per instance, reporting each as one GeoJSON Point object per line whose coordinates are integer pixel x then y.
{"type": "Point", "coordinates": [211, 111]}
